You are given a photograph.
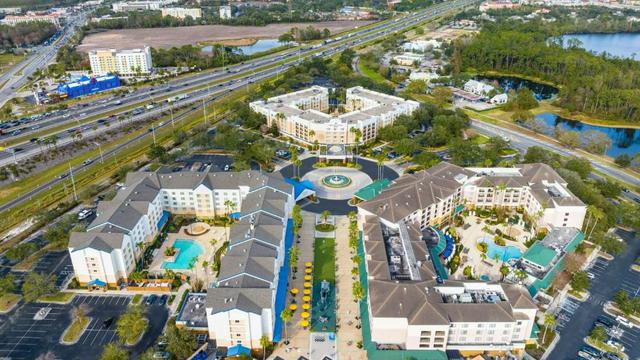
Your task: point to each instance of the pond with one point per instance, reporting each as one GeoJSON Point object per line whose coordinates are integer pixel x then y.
{"type": "Point", "coordinates": [623, 140]}
{"type": "Point", "coordinates": [541, 91]}
{"type": "Point", "coordinates": [625, 45]}
{"type": "Point", "coordinates": [259, 46]}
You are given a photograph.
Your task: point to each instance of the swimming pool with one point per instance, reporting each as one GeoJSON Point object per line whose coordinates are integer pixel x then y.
{"type": "Point", "coordinates": [189, 250]}
{"type": "Point", "coordinates": [504, 253]}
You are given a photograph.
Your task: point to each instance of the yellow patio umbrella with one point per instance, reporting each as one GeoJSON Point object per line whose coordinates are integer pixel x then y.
{"type": "Point", "coordinates": [306, 306]}
{"type": "Point", "coordinates": [306, 291]}
{"type": "Point", "coordinates": [293, 307]}
{"type": "Point", "coordinates": [304, 323]}
{"type": "Point", "coordinates": [305, 315]}
{"type": "Point", "coordinates": [308, 270]}
{"type": "Point", "coordinates": [306, 298]}
{"type": "Point", "coordinates": [307, 264]}
{"type": "Point", "coordinates": [307, 284]}
{"type": "Point", "coordinates": [308, 278]}
{"type": "Point", "coordinates": [294, 291]}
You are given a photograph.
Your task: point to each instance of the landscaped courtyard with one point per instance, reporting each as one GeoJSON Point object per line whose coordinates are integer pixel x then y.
{"type": "Point", "coordinates": [323, 311]}
{"type": "Point", "coordinates": [490, 242]}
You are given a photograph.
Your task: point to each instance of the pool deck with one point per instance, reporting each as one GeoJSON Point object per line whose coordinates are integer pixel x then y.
{"type": "Point", "coordinates": [217, 233]}
{"type": "Point", "coordinates": [473, 258]}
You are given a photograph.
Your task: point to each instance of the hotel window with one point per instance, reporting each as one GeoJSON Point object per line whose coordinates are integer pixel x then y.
{"type": "Point", "coordinates": [425, 333]}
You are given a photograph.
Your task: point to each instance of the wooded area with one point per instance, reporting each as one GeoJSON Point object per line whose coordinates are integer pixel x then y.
{"type": "Point", "coordinates": [25, 34]}
{"type": "Point", "coordinates": [597, 85]}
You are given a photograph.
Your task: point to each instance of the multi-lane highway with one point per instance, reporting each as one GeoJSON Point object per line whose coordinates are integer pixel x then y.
{"type": "Point", "coordinates": [17, 76]}
{"type": "Point", "coordinates": [196, 86]}
{"type": "Point", "coordinates": [245, 74]}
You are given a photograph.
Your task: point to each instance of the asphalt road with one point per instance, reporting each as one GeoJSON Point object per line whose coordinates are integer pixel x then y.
{"type": "Point", "coordinates": [523, 142]}
{"type": "Point", "coordinates": [337, 207]}
{"type": "Point", "coordinates": [44, 54]}
{"type": "Point", "coordinates": [207, 96]}
{"type": "Point", "coordinates": [603, 288]}
{"type": "Point", "coordinates": [184, 85]}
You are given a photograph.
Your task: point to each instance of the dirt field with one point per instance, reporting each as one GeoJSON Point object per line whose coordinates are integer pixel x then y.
{"type": "Point", "coordinates": [168, 37]}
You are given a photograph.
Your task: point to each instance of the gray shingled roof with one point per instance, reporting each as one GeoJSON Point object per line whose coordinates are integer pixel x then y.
{"type": "Point", "coordinates": [262, 227]}
{"type": "Point", "coordinates": [263, 268]}
{"type": "Point", "coordinates": [96, 240]}
{"type": "Point", "coordinates": [264, 200]}
{"type": "Point", "coordinates": [251, 300]}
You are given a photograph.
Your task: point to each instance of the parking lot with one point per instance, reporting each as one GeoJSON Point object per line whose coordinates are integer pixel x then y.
{"type": "Point", "coordinates": [26, 338]}
{"type": "Point", "coordinates": [576, 319]}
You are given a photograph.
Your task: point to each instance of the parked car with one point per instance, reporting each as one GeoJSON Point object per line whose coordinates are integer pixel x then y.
{"type": "Point", "coordinates": [615, 343]}
{"type": "Point", "coordinates": [590, 351]}
{"type": "Point", "coordinates": [162, 300]}
{"type": "Point", "coordinates": [606, 321]}
{"type": "Point", "coordinates": [624, 321]}
{"type": "Point", "coordinates": [151, 299]}
{"type": "Point", "coordinates": [107, 323]}
{"type": "Point", "coordinates": [84, 213]}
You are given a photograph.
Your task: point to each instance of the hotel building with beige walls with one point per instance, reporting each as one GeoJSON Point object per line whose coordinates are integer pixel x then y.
{"type": "Point", "coordinates": [130, 62]}
{"type": "Point", "coordinates": [302, 115]}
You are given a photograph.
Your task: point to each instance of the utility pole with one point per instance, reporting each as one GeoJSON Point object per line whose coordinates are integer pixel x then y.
{"type": "Point", "coordinates": [153, 132]}
{"type": "Point", "coordinates": [204, 110]}
{"type": "Point", "coordinates": [171, 110]}
{"type": "Point", "coordinates": [73, 183]}
{"type": "Point", "coordinates": [100, 149]}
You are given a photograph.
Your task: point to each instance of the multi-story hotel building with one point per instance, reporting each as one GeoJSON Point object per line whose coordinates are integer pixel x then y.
{"type": "Point", "coordinates": [252, 282]}
{"type": "Point", "coordinates": [432, 196]}
{"type": "Point", "coordinates": [411, 304]}
{"type": "Point", "coordinates": [13, 20]}
{"type": "Point", "coordinates": [129, 62]}
{"type": "Point", "coordinates": [302, 115]}
{"type": "Point", "coordinates": [181, 13]}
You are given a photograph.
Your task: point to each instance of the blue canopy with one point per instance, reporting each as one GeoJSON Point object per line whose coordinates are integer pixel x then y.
{"type": "Point", "coordinates": [300, 186]}
{"type": "Point", "coordinates": [238, 350]}
{"type": "Point", "coordinates": [96, 282]}
{"type": "Point", "coordinates": [235, 215]}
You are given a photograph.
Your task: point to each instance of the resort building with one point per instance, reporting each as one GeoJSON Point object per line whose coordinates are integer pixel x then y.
{"type": "Point", "coordinates": [182, 13]}
{"type": "Point", "coordinates": [431, 197]}
{"type": "Point", "coordinates": [108, 249]}
{"type": "Point", "coordinates": [125, 6]}
{"type": "Point", "coordinates": [13, 20]}
{"type": "Point", "coordinates": [408, 59]}
{"type": "Point", "coordinates": [421, 45]}
{"type": "Point", "coordinates": [251, 285]}
{"type": "Point", "coordinates": [302, 115]}
{"type": "Point", "coordinates": [130, 62]}
{"type": "Point", "coordinates": [410, 307]}
{"type": "Point", "coordinates": [225, 12]}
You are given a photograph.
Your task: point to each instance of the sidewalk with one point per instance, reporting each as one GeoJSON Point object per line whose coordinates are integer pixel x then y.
{"type": "Point", "coordinates": [298, 337]}
{"type": "Point", "coordinates": [347, 310]}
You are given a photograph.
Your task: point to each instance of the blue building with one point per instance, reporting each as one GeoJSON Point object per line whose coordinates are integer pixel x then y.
{"type": "Point", "coordinates": [88, 85]}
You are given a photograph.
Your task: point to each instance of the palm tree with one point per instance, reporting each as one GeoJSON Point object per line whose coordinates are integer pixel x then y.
{"type": "Point", "coordinates": [504, 270]}
{"type": "Point", "coordinates": [286, 316]}
{"type": "Point", "coordinates": [324, 215]}
{"type": "Point", "coordinates": [230, 206]}
{"type": "Point", "coordinates": [294, 251]}
{"type": "Point", "coordinates": [549, 321]}
{"type": "Point", "coordinates": [357, 134]}
{"type": "Point", "coordinates": [380, 162]}
{"type": "Point", "coordinates": [597, 215]}
{"type": "Point", "coordinates": [264, 342]}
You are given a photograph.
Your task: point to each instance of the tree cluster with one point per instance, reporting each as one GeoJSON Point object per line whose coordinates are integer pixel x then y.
{"type": "Point", "coordinates": [25, 34]}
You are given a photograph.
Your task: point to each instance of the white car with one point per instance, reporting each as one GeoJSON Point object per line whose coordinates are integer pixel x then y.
{"type": "Point", "coordinates": [624, 321]}
{"type": "Point", "coordinates": [591, 276]}
{"type": "Point", "coordinates": [84, 213]}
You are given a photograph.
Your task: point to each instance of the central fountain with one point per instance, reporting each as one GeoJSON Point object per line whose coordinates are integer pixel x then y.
{"type": "Point", "coordinates": [336, 181]}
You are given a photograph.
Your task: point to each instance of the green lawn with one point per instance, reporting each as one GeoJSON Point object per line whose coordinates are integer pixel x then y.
{"type": "Point", "coordinates": [8, 300]}
{"type": "Point", "coordinates": [324, 260]}
{"type": "Point", "coordinates": [370, 73]}
{"type": "Point", "coordinates": [8, 60]}
{"type": "Point", "coordinates": [61, 297]}
{"type": "Point", "coordinates": [75, 330]}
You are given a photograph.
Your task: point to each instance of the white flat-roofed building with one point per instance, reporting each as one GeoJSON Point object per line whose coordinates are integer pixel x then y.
{"type": "Point", "coordinates": [136, 6]}
{"type": "Point", "coordinates": [129, 62]}
{"type": "Point", "coordinates": [302, 116]}
{"type": "Point", "coordinates": [181, 13]}
{"type": "Point", "coordinates": [421, 45]}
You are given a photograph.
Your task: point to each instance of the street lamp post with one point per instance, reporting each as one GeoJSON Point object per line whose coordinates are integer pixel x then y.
{"type": "Point", "coordinates": [171, 110]}
{"type": "Point", "coordinates": [73, 183]}
{"type": "Point", "coordinates": [153, 133]}
{"type": "Point", "coordinates": [100, 149]}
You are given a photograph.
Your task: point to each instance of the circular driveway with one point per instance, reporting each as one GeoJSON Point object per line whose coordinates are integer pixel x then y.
{"type": "Point", "coordinates": [337, 206]}
{"type": "Point", "coordinates": [358, 180]}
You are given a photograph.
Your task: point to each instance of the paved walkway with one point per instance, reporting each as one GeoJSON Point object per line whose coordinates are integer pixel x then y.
{"type": "Point", "coordinates": [347, 310]}
{"type": "Point", "coordinates": [299, 337]}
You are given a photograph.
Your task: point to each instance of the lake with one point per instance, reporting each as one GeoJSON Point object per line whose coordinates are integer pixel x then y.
{"type": "Point", "coordinates": [259, 46]}
{"type": "Point", "coordinates": [623, 140]}
{"type": "Point", "coordinates": [625, 45]}
{"type": "Point", "coordinates": [540, 91]}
